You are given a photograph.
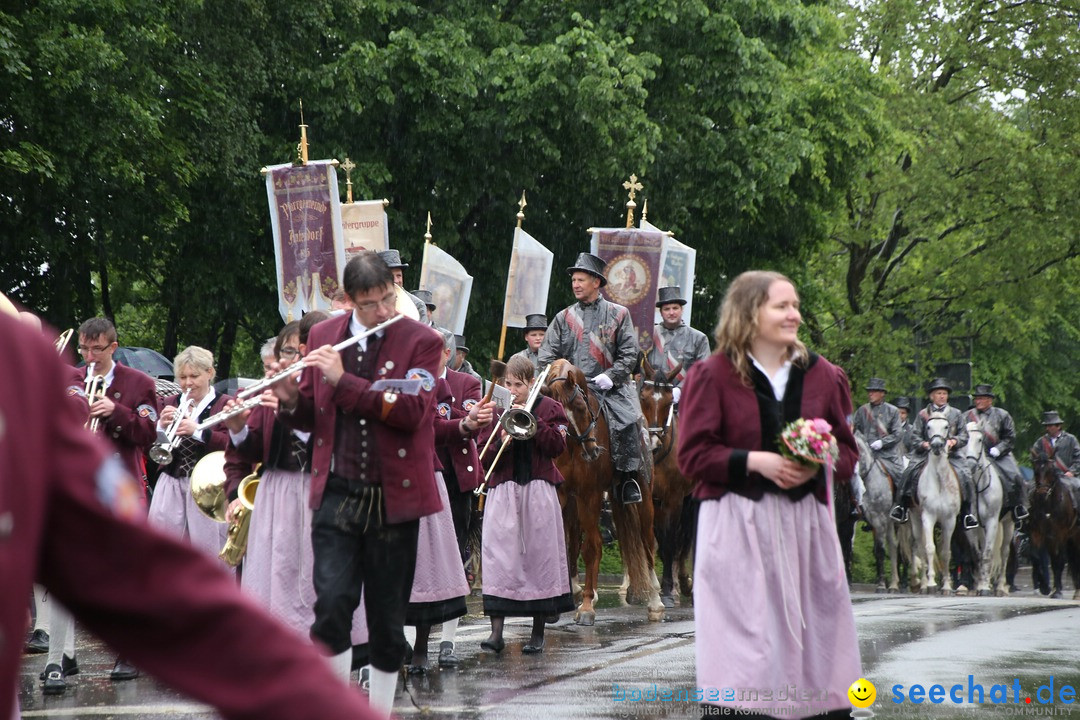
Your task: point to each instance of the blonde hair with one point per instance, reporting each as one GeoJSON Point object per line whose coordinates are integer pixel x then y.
{"type": "Point", "coordinates": [194, 356]}
{"type": "Point", "coordinates": [738, 326]}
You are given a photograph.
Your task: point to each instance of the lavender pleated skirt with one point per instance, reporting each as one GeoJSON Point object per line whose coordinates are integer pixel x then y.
{"type": "Point", "coordinates": [439, 586]}
{"type": "Point", "coordinates": [771, 606]}
{"type": "Point", "coordinates": [524, 551]}
{"type": "Point", "coordinates": [278, 563]}
{"type": "Point", "coordinates": [173, 511]}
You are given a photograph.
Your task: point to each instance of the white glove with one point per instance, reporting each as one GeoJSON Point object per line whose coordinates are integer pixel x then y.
{"type": "Point", "coordinates": [876, 445]}
{"type": "Point", "coordinates": [603, 382]}
{"type": "Point", "coordinates": [994, 452]}
{"type": "Point", "coordinates": [676, 393]}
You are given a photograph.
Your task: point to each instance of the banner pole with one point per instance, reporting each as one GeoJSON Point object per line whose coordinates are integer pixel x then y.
{"type": "Point", "coordinates": [511, 279]}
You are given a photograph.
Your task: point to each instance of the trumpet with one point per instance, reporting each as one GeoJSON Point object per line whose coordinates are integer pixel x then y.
{"type": "Point", "coordinates": [516, 424]}
{"type": "Point", "coordinates": [161, 452]}
{"type": "Point", "coordinates": [95, 390]}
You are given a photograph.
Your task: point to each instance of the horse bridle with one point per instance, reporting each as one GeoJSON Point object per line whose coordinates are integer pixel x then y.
{"type": "Point", "coordinates": [661, 431]}
{"type": "Point", "coordinates": [581, 437]}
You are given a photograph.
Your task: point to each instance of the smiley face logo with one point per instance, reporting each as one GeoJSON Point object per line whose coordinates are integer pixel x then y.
{"type": "Point", "coordinates": [862, 693]}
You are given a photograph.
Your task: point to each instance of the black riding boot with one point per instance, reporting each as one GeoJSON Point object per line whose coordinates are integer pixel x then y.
{"type": "Point", "coordinates": [627, 489]}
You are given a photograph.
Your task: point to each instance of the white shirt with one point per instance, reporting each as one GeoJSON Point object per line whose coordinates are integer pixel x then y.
{"type": "Point", "coordinates": [780, 380]}
{"type": "Point", "coordinates": [355, 328]}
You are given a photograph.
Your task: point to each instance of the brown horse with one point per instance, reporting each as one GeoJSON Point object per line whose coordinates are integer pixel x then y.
{"type": "Point", "coordinates": [674, 521]}
{"type": "Point", "coordinates": [1053, 530]}
{"type": "Point", "coordinates": [587, 468]}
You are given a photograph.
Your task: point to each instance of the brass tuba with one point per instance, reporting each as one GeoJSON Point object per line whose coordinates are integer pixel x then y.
{"type": "Point", "coordinates": [236, 543]}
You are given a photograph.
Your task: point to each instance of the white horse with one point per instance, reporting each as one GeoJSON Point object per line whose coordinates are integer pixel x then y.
{"type": "Point", "coordinates": [992, 540]}
{"type": "Point", "coordinates": [877, 502]}
{"type": "Point", "coordinates": [938, 504]}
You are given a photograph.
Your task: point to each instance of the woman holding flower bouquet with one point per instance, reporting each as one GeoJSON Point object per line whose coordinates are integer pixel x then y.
{"type": "Point", "coordinates": [761, 421]}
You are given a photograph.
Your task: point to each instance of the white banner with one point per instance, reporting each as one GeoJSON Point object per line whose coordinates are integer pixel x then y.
{"type": "Point", "coordinates": [450, 287]}
{"type": "Point", "coordinates": [305, 218]}
{"type": "Point", "coordinates": [529, 279]}
{"type": "Point", "coordinates": [677, 268]}
{"type": "Point", "coordinates": [364, 227]}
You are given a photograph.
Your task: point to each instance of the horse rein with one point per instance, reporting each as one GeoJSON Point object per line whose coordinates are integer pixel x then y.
{"type": "Point", "coordinates": [581, 437]}
{"type": "Point", "coordinates": [661, 431]}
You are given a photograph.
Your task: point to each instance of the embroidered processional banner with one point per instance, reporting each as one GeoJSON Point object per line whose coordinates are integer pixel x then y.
{"type": "Point", "coordinates": [633, 273]}
{"type": "Point", "coordinates": [364, 227]}
{"type": "Point", "coordinates": [450, 286]}
{"type": "Point", "coordinates": [529, 279]}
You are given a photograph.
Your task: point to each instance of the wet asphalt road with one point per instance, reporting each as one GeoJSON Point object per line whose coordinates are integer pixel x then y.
{"type": "Point", "coordinates": [1019, 641]}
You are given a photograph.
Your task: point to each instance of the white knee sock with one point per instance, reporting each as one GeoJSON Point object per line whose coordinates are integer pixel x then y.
{"type": "Point", "coordinates": [449, 630]}
{"type": "Point", "coordinates": [410, 635]}
{"type": "Point", "coordinates": [381, 691]}
{"type": "Point", "coordinates": [62, 637]}
{"type": "Point", "coordinates": [342, 665]}
{"type": "Point", "coordinates": [41, 609]}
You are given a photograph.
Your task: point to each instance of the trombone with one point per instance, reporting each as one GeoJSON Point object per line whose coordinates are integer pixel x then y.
{"type": "Point", "coordinates": [162, 452]}
{"type": "Point", "coordinates": [516, 424]}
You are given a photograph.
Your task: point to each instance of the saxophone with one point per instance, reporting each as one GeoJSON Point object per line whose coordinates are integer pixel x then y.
{"type": "Point", "coordinates": [236, 541]}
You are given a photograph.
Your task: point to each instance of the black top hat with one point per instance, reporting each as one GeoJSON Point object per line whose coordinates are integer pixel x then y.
{"type": "Point", "coordinates": [1051, 417]}
{"type": "Point", "coordinates": [876, 384]}
{"type": "Point", "coordinates": [392, 258]}
{"type": "Point", "coordinates": [536, 322]}
{"type": "Point", "coordinates": [590, 264]}
{"type": "Point", "coordinates": [460, 341]}
{"type": "Point", "coordinates": [939, 384]}
{"type": "Point", "coordinates": [984, 391]}
{"type": "Point", "coordinates": [670, 294]}
{"type": "Point", "coordinates": [425, 296]}
{"type": "Point", "coordinates": [903, 404]}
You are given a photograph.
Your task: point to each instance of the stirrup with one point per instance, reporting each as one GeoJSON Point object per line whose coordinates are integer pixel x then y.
{"type": "Point", "coordinates": [1020, 513]}
{"type": "Point", "coordinates": [970, 522]}
{"type": "Point", "coordinates": [629, 492]}
{"type": "Point", "coordinates": [899, 514]}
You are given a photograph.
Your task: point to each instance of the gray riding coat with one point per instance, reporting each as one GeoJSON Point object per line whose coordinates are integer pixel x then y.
{"type": "Point", "coordinates": [957, 429]}
{"type": "Point", "coordinates": [599, 337]}
{"type": "Point", "coordinates": [1066, 451]}
{"type": "Point", "coordinates": [533, 357]}
{"type": "Point", "coordinates": [998, 432]}
{"type": "Point", "coordinates": [882, 422]}
{"type": "Point", "coordinates": [684, 345]}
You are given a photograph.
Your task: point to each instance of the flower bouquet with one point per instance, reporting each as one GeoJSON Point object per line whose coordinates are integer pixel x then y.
{"type": "Point", "coordinates": [809, 442]}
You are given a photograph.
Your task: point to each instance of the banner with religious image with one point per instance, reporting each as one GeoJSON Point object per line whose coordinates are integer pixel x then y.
{"type": "Point", "coordinates": [529, 280]}
{"type": "Point", "coordinates": [305, 216]}
{"type": "Point", "coordinates": [450, 287]}
{"type": "Point", "coordinates": [633, 271]}
{"type": "Point", "coordinates": [677, 268]}
{"type": "Point", "coordinates": [364, 227]}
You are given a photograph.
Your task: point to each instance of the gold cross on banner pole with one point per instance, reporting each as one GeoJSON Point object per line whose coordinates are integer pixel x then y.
{"type": "Point", "coordinates": [348, 166]}
{"type": "Point", "coordinates": [632, 185]}
{"type": "Point", "coordinates": [521, 209]}
{"type": "Point", "coordinates": [302, 148]}
{"type": "Point", "coordinates": [427, 233]}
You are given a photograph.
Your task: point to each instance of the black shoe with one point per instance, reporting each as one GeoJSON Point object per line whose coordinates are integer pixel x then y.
{"type": "Point", "coordinates": [970, 522]}
{"type": "Point", "coordinates": [447, 658]}
{"type": "Point", "coordinates": [495, 646]}
{"type": "Point", "coordinates": [123, 670]}
{"type": "Point", "coordinates": [629, 492]}
{"type": "Point", "coordinates": [865, 527]}
{"type": "Point", "coordinates": [54, 680]}
{"type": "Point", "coordinates": [37, 643]}
{"type": "Point", "coordinates": [899, 514]}
{"type": "Point", "coordinates": [417, 670]}
{"type": "Point", "coordinates": [1020, 513]}
{"type": "Point", "coordinates": [68, 665]}
{"type": "Point", "coordinates": [533, 648]}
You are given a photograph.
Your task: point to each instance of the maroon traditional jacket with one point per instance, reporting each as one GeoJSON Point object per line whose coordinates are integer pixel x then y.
{"type": "Point", "coordinates": [548, 443]}
{"type": "Point", "coordinates": [462, 392]}
{"type": "Point", "coordinates": [721, 420]}
{"type": "Point", "coordinates": [132, 427]}
{"type": "Point", "coordinates": [214, 438]}
{"type": "Point", "coordinates": [239, 460]}
{"type": "Point", "coordinates": [74, 522]}
{"type": "Point", "coordinates": [403, 428]}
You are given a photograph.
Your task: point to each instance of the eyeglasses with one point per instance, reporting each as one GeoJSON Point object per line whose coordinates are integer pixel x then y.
{"type": "Point", "coordinates": [389, 302]}
{"type": "Point", "coordinates": [289, 352]}
{"type": "Point", "coordinates": [94, 349]}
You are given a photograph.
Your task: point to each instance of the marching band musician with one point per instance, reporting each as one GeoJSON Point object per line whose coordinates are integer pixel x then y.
{"type": "Point", "coordinates": [535, 329]}
{"type": "Point", "coordinates": [173, 509]}
{"type": "Point", "coordinates": [126, 412]}
{"type": "Point", "coordinates": [372, 475]}
{"type": "Point", "coordinates": [524, 545]}
{"type": "Point", "coordinates": [72, 518]}
{"type": "Point", "coordinates": [675, 344]}
{"type": "Point", "coordinates": [439, 585]}
{"type": "Point", "coordinates": [392, 258]}
{"type": "Point", "coordinates": [278, 561]}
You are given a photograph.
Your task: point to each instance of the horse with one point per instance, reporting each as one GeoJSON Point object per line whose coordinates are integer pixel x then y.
{"type": "Point", "coordinates": [674, 516]}
{"type": "Point", "coordinates": [588, 470]}
{"type": "Point", "coordinates": [1053, 528]}
{"type": "Point", "coordinates": [938, 503]}
{"type": "Point", "coordinates": [877, 502]}
{"type": "Point", "coordinates": [994, 536]}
